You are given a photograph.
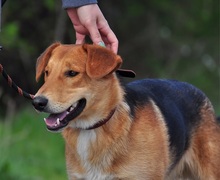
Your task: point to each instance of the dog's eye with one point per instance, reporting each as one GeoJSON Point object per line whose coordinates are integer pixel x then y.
{"type": "Point", "coordinates": [71, 73]}
{"type": "Point", "coordinates": [46, 73]}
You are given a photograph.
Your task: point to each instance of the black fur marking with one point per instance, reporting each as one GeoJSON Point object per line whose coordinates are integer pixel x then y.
{"type": "Point", "coordinates": [179, 103]}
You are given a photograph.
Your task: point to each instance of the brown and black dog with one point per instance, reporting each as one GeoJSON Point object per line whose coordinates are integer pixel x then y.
{"type": "Point", "coordinates": [150, 129]}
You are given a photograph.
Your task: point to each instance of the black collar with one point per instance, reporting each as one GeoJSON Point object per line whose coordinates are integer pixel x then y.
{"type": "Point", "coordinates": [102, 122]}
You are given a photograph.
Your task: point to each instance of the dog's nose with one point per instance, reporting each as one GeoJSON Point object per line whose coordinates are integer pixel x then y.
{"type": "Point", "coordinates": [40, 102]}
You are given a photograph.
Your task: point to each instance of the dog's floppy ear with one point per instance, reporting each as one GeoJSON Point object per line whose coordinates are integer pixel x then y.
{"type": "Point", "coordinates": [100, 61]}
{"type": "Point", "coordinates": [43, 60]}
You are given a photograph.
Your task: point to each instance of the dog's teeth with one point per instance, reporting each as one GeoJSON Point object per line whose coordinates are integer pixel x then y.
{"type": "Point", "coordinates": [45, 119]}
{"type": "Point", "coordinates": [58, 121]}
{"type": "Point", "coordinates": [71, 108]}
{"type": "Point", "coordinates": [67, 112]}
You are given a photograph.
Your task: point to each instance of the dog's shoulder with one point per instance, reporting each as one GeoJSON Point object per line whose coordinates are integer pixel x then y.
{"type": "Point", "coordinates": [179, 103]}
{"type": "Point", "coordinates": [136, 94]}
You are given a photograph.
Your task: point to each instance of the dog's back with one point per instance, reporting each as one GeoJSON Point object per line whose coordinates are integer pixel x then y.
{"type": "Point", "coordinates": [184, 108]}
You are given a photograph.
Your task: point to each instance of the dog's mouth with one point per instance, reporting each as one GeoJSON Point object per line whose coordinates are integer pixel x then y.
{"type": "Point", "coordinates": [55, 122]}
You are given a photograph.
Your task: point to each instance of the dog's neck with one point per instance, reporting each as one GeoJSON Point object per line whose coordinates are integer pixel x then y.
{"type": "Point", "coordinates": [102, 122]}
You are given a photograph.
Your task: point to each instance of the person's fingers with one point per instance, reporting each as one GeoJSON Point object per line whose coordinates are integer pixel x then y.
{"type": "Point", "coordinates": [113, 44]}
{"type": "Point", "coordinates": [93, 31]}
{"type": "Point", "coordinates": [88, 17]}
{"type": "Point", "coordinates": [109, 38]}
{"type": "Point", "coordinates": [73, 16]}
{"type": "Point", "coordinates": [79, 29]}
{"type": "Point", "coordinates": [80, 38]}
{"type": "Point", "coordinates": [89, 20]}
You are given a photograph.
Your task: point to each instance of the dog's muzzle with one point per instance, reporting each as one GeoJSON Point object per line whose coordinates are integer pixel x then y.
{"type": "Point", "coordinates": [57, 121]}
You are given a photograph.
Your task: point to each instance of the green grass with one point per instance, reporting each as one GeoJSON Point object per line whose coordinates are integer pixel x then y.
{"type": "Point", "coordinates": [29, 151]}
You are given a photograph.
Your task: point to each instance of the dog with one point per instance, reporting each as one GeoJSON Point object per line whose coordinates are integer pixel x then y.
{"type": "Point", "coordinates": [151, 129]}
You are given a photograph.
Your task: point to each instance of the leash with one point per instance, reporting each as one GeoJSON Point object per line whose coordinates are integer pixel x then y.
{"type": "Point", "coordinates": [13, 85]}
{"type": "Point", "coordinates": [5, 75]}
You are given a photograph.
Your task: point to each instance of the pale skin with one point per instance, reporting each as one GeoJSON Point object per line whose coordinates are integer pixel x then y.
{"type": "Point", "coordinates": [89, 20]}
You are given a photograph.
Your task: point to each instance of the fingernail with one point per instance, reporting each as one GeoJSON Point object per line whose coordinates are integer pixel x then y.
{"type": "Point", "coordinates": [101, 43]}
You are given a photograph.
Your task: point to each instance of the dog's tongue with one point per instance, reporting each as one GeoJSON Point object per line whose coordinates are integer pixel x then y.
{"type": "Point", "coordinates": [52, 119]}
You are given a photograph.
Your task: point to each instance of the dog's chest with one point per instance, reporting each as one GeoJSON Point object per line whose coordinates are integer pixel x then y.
{"type": "Point", "coordinates": [84, 142]}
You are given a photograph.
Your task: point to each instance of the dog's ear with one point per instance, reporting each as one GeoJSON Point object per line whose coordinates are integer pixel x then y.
{"type": "Point", "coordinates": [100, 61]}
{"type": "Point", "coordinates": [43, 60]}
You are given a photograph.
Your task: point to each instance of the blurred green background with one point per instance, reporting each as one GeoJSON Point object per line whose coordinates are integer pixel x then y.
{"type": "Point", "coordinates": [158, 39]}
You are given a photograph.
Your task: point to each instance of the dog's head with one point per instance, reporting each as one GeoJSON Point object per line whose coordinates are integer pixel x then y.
{"type": "Point", "coordinates": [80, 85]}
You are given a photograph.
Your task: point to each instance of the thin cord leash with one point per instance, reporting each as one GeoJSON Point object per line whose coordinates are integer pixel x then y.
{"type": "Point", "coordinates": [14, 86]}
{"type": "Point", "coordinates": [6, 76]}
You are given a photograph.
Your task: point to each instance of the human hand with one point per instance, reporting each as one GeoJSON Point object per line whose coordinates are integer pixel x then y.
{"type": "Point", "coordinates": [89, 20]}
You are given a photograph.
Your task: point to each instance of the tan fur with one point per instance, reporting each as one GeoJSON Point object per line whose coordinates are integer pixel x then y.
{"type": "Point", "coordinates": [123, 148]}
